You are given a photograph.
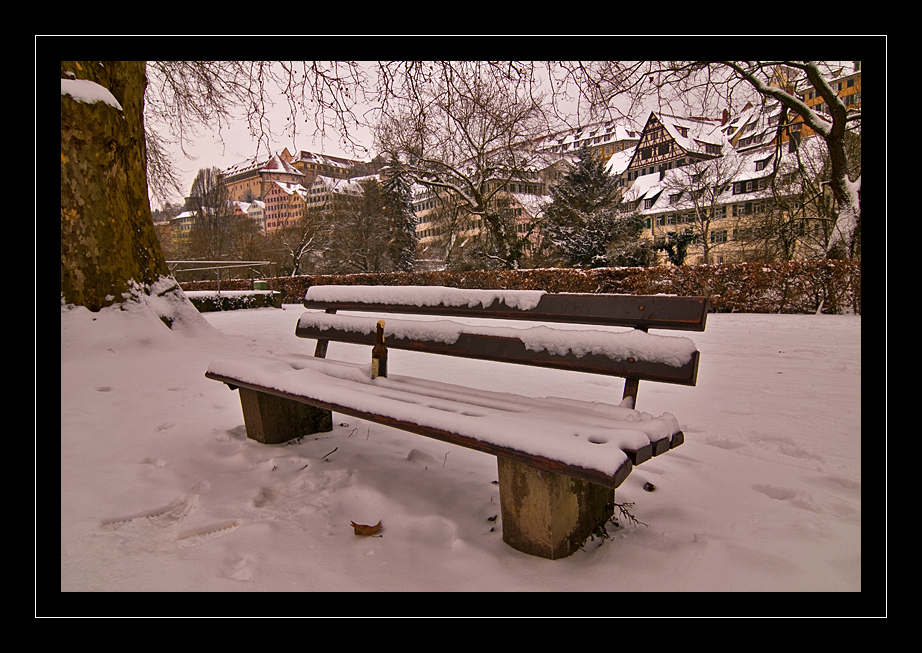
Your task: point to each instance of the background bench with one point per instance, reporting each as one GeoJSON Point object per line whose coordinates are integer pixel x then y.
{"type": "Point", "coordinates": [555, 489]}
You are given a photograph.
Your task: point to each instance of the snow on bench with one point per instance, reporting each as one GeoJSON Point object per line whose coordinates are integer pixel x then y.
{"type": "Point", "coordinates": [559, 460]}
{"type": "Point", "coordinates": [588, 439]}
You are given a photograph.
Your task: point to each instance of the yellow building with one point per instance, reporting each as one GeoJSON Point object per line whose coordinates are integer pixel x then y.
{"type": "Point", "coordinates": [250, 179]}
{"type": "Point", "coordinates": [847, 86]}
{"type": "Point", "coordinates": [181, 228]}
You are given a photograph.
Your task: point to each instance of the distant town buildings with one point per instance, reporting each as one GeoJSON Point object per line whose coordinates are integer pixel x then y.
{"type": "Point", "coordinates": [720, 176]}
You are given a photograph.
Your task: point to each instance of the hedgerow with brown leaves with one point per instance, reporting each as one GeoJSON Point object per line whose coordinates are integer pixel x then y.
{"type": "Point", "coordinates": [825, 285]}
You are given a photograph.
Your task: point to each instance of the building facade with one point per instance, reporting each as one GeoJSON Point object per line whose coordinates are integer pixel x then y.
{"type": "Point", "coordinates": [250, 179]}
{"type": "Point", "coordinates": [604, 139]}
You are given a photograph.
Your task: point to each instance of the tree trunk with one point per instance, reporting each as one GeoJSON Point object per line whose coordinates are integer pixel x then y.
{"type": "Point", "coordinates": [107, 234]}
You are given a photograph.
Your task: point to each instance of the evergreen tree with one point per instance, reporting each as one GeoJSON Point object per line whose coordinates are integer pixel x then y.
{"type": "Point", "coordinates": [676, 245]}
{"type": "Point", "coordinates": [626, 247]}
{"type": "Point", "coordinates": [585, 190]}
{"type": "Point", "coordinates": [583, 223]}
{"type": "Point", "coordinates": [398, 210]}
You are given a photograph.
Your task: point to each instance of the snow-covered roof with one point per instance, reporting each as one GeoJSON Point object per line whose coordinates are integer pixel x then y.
{"type": "Point", "coordinates": [690, 132]}
{"type": "Point", "coordinates": [239, 168]}
{"type": "Point", "coordinates": [600, 133]}
{"type": "Point", "coordinates": [645, 186]}
{"type": "Point", "coordinates": [534, 204]}
{"type": "Point", "coordinates": [325, 159]}
{"type": "Point", "coordinates": [351, 186]}
{"type": "Point", "coordinates": [619, 161]}
{"type": "Point", "coordinates": [289, 188]}
{"type": "Point", "coordinates": [274, 164]}
{"type": "Point", "coordinates": [737, 122]}
{"type": "Point", "coordinates": [754, 164]}
{"type": "Point", "coordinates": [278, 164]}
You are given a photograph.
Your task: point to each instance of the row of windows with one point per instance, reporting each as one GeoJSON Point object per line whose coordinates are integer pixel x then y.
{"type": "Point", "coordinates": [836, 86]}
{"type": "Point", "coordinates": [751, 185]}
{"type": "Point", "coordinates": [848, 100]}
{"type": "Point", "coordinates": [719, 212]}
{"type": "Point", "coordinates": [718, 236]}
{"type": "Point", "coordinates": [640, 172]}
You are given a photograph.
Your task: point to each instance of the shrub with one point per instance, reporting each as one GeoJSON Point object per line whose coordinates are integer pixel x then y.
{"type": "Point", "coordinates": [826, 285]}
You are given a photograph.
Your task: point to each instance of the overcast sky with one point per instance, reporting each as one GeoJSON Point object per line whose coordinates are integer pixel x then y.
{"type": "Point", "coordinates": [235, 144]}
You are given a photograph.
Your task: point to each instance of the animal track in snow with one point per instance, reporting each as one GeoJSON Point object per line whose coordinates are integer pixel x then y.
{"type": "Point", "coordinates": [164, 516]}
{"type": "Point", "coordinates": [158, 528]}
{"type": "Point", "coordinates": [202, 535]}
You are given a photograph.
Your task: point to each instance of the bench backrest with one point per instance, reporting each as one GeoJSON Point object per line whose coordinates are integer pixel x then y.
{"type": "Point", "coordinates": [633, 355]}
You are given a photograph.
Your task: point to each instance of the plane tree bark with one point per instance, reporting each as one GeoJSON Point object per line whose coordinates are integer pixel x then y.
{"type": "Point", "coordinates": [108, 243]}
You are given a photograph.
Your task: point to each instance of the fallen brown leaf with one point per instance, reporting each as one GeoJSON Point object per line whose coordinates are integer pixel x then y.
{"type": "Point", "coordinates": [362, 529]}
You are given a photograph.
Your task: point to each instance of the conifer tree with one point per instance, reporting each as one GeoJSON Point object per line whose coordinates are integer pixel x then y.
{"type": "Point", "coordinates": [585, 190]}
{"type": "Point", "coordinates": [582, 221]}
{"type": "Point", "coordinates": [398, 208]}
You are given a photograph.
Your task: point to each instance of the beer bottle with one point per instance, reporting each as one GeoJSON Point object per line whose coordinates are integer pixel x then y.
{"type": "Point", "coordinates": [379, 353]}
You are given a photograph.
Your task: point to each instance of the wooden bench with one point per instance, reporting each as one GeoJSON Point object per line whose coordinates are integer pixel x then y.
{"type": "Point", "coordinates": [559, 460]}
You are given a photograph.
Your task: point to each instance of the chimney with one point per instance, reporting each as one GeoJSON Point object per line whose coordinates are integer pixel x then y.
{"type": "Point", "coordinates": [725, 119]}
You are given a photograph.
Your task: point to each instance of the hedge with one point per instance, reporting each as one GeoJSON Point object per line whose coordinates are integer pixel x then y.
{"type": "Point", "coordinates": [229, 300]}
{"type": "Point", "coordinates": [824, 285]}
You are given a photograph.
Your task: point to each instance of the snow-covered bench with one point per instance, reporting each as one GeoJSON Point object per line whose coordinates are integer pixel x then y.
{"type": "Point", "coordinates": [559, 460]}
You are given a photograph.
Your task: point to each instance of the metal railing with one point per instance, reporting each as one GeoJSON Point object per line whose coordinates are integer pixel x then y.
{"type": "Point", "coordinates": [217, 266]}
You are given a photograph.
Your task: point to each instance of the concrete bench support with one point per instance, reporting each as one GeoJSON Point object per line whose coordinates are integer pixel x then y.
{"type": "Point", "coordinates": [273, 420]}
{"type": "Point", "coordinates": [547, 514]}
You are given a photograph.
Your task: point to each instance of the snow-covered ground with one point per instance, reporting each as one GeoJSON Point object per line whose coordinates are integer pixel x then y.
{"type": "Point", "coordinates": [162, 491]}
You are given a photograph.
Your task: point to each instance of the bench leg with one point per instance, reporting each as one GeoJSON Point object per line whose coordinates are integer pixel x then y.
{"type": "Point", "coordinates": [273, 420]}
{"type": "Point", "coordinates": [547, 514]}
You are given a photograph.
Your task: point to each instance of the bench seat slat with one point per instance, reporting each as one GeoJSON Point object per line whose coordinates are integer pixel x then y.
{"type": "Point", "coordinates": [506, 345]}
{"type": "Point", "coordinates": [639, 311]}
{"type": "Point", "coordinates": [593, 442]}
